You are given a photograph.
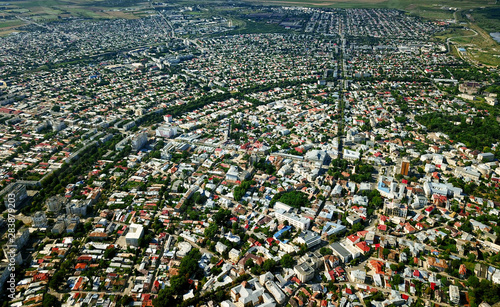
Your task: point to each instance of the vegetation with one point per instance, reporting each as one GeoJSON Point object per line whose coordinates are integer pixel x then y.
{"type": "Point", "coordinates": [294, 199]}
{"type": "Point", "coordinates": [480, 134]}
{"type": "Point", "coordinates": [240, 190]}
{"type": "Point", "coordinates": [171, 296]}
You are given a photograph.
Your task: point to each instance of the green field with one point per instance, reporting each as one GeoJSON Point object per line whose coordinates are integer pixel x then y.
{"type": "Point", "coordinates": [46, 10]}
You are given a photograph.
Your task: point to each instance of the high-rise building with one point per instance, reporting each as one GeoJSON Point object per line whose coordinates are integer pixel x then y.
{"type": "Point", "coordinates": [14, 195]}
{"type": "Point", "coordinates": [139, 141]}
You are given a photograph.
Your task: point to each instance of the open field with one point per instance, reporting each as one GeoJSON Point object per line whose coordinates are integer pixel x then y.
{"type": "Point", "coordinates": [488, 18]}
{"type": "Point", "coordinates": [421, 6]}
{"type": "Point", "coordinates": [47, 10]}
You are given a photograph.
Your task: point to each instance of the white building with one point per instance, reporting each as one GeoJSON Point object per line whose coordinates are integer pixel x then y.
{"type": "Point", "coordinates": [248, 293]}
{"type": "Point", "coordinates": [135, 233]}
{"type": "Point", "coordinates": [168, 118]}
{"type": "Point", "coordinates": [309, 238]}
{"type": "Point", "coordinates": [77, 207]}
{"type": "Point", "coordinates": [166, 131]}
{"type": "Point", "coordinates": [220, 247]}
{"type": "Point", "coordinates": [304, 272]}
{"type": "Point", "coordinates": [234, 255]}
{"type": "Point", "coordinates": [454, 295]}
{"type": "Point", "coordinates": [496, 277]}
{"type": "Point", "coordinates": [279, 296]}
{"type": "Point", "coordinates": [296, 221]}
{"type": "Point", "coordinates": [139, 140]}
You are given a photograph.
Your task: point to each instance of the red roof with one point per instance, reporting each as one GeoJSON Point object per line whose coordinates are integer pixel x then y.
{"type": "Point", "coordinates": [363, 246]}
{"type": "Point", "coordinates": [353, 238]}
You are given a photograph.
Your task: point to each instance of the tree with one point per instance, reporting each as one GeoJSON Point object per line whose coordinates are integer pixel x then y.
{"type": "Point", "coordinates": [325, 251]}
{"type": "Point", "coordinates": [268, 265]}
{"type": "Point", "coordinates": [249, 263]}
{"type": "Point", "coordinates": [166, 298]}
{"type": "Point", "coordinates": [287, 261]}
{"type": "Point", "coordinates": [109, 253]}
{"type": "Point", "coordinates": [125, 300]}
{"type": "Point", "coordinates": [50, 301]}
{"type": "Point", "coordinates": [396, 280]}
{"type": "Point", "coordinates": [473, 281]}
{"type": "Point", "coordinates": [57, 279]}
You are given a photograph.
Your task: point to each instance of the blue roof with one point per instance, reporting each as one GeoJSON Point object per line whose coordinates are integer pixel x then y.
{"type": "Point", "coordinates": [279, 233]}
{"type": "Point", "coordinates": [382, 187]}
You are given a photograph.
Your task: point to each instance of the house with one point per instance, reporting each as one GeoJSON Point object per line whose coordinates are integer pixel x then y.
{"type": "Point", "coordinates": [363, 247]}
{"type": "Point", "coordinates": [353, 239]}
{"type": "Point", "coordinates": [436, 263]}
{"type": "Point", "coordinates": [462, 271]}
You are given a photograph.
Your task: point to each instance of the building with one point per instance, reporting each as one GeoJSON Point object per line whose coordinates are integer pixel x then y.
{"type": "Point", "coordinates": [358, 276]}
{"type": "Point", "coordinates": [220, 247]}
{"type": "Point", "coordinates": [353, 219]}
{"type": "Point", "coordinates": [39, 220]}
{"type": "Point", "coordinates": [248, 293]}
{"type": "Point", "coordinates": [495, 278]}
{"type": "Point", "coordinates": [405, 167]}
{"type": "Point", "coordinates": [331, 228]}
{"type": "Point", "coordinates": [309, 238]}
{"type": "Point", "coordinates": [234, 255]}
{"type": "Point", "coordinates": [304, 272]}
{"type": "Point", "coordinates": [77, 207]}
{"type": "Point", "coordinates": [233, 173]}
{"type": "Point", "coordinates": [395, 209]}
{"type": "Point", "coordinates": [467, 172]}
{"type": "Point", "coordinates": [16, 244]}
{"type": "Point", "coordinates": [454, 295]}
{"type": "Point", "coordinates": [469, 87]}
{"type": "Point", "coordinates": [14, 195]}
{"type": "Point", "coordinates": [56, 203]}
{"type": "Point", "coordinates": [437, 263]}
{"type": "Point", "coordinates": [341, 252]}
{"type": "Point", "coordinates": [168, 118]}
{"type": "Point", "coordinates": [138, 141]}
{"type": "Point", "coordinates": [486, 157]}
{"type": "Point", "coordinates": [273, 288]}
{"type": "Point", "coordinates": [166, 131]}
{"type": "Point", "coordinates": [296, 221]}
{"type": "Point", "coordinates": [134, 234]}
{"type": "Point", "coordinates": [318, 156]}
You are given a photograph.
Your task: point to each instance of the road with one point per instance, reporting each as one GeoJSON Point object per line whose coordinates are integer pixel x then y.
{"type": "Point", "coordinates": [449, 39]}
{"type": "Point", "coordinates": [343, 87]}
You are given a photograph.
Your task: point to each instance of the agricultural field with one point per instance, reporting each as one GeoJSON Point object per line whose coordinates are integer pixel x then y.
{"type": "Point", "coordinates": [18, 13]}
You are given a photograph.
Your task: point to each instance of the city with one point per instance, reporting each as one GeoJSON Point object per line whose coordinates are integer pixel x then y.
{"type": "Point", "coordinates": [248, 156]}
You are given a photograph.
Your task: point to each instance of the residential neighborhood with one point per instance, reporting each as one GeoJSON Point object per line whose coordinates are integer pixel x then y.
{"type": "Point", "coordinates": [344, 158]}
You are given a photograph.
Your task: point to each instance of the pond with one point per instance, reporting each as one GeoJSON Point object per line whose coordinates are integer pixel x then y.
{"type": "Point", "coordinates": [496, 36]}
